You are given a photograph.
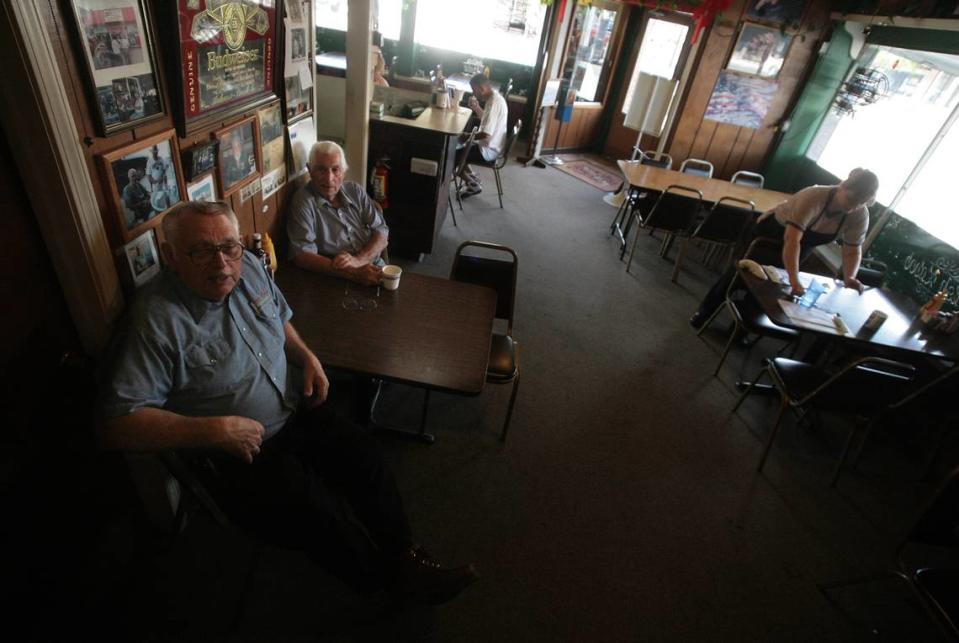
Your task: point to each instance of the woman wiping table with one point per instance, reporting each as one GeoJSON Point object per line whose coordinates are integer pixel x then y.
{"type": "Point", "coordinates": [812, 217]}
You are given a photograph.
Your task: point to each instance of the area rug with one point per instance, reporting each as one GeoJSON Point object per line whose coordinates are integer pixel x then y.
{"type": "Point", "coordinates": [592, 172]}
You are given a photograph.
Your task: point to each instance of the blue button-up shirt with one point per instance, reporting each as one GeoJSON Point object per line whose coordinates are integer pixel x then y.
{"type": "Point", "coordinates": [314, 225]}
{"type": "Point", "coordinates": [200, 358]}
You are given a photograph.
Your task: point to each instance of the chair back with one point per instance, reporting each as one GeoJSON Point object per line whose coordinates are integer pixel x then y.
{"type": "Point", "coordinates": [497, 274]}
{"type": "Point", "coordinates": [464, 160]}
{"type": "Point", "coordinates": [765, 251]}
{"type": "Point", "coordinates": [864, 386]}
{"type": "Point", "coordinates": [510, 139]}
{"type": "Point", "coordinates": [506, 88]}
{"type": "Point", "coordinates": [938, 524]}
{"type": "Point", "coordinates": [657, 159]}
{"type": "Point", "coordinates": [726, 221]}
{"type": "Point", "coordinates": [698, 167]}
{"type": "Point", "coordinates": [676, 210]}
{"type": "Point", "coordinates": [749, 179]}
{"type": "Point", "coordinates": [872, 272]}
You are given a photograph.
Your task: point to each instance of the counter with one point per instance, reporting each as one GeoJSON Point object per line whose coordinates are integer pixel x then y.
{"type": "Point", "coordinates": [417, 202]}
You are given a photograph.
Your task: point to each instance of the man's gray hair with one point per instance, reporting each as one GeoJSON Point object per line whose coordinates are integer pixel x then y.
{"type": "Point", "coordinates": [328, 147]}
{"type": "Point", "coordinates": [206, 208]}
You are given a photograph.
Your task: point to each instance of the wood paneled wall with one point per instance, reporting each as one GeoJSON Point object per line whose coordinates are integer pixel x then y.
{"type": "Point", "coordinates": [728, 147]}
{"type": "Point", "coordinates": [255, 214]}
{"type": "Point", "coordinates": [579, 133]}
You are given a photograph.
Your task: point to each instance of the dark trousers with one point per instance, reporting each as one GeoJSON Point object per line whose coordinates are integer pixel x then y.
{"type": "Point", "coordinates": [475, 156]}
{"type": "Point", "coordinates": [320, 485]}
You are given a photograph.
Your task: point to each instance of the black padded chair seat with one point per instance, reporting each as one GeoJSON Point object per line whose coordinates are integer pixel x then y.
{"type": "Point", "coordinates": [862, 389]}
{"type": "Point", "coordinates": [502, 358]}
{"type": "Point", "coordinates": [941, 587]}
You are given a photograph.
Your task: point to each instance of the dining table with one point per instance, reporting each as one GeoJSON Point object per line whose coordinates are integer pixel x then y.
{"type": "Point", "coordinates": [643, 177]}
{"type": "Point", "coordinates": [902, 331]}
{"type": "Point", "coordinates": [430, 333]}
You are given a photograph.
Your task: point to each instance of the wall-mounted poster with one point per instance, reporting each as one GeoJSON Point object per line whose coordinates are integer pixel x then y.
{"type": "Point", "coordinates": [223, 60]}
{"type": "Point", "coordinates": [740, 100]}
{"type": "Point", "coordinates": [120, 64]}
{"type": "Point", "coordinates": [144, 180]}
{"type": "Point", "coordinates": [782, 12]}
{"type": "Point", "coordinates": [239, 155]}
{"type": "Point", "coordinates": [272, 148]}
{"type": "Point", "coordinates": [199, 159]}
{"type": "Point", "coordinates": [142, 258]}
{"type": "Point", "coordinates": [302, 137]}
{"type": "Point", "coordinates": [759, 51]}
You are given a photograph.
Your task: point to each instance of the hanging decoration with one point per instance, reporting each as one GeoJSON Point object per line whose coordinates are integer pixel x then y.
{"type": "Point", "coordinates": [864, 87]}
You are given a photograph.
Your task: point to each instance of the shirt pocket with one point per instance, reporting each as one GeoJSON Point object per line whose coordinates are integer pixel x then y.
{"type": "Point", "coordinates": [207, 368]}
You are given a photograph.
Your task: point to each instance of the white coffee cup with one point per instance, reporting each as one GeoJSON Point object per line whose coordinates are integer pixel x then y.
{"type": "Point", "coordinates": [390, 277]}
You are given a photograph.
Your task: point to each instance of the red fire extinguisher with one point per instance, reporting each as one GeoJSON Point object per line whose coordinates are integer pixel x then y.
{"type": "Point", "coordinates": [379, 179]}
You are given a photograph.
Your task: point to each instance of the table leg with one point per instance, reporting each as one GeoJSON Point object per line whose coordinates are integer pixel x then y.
{"type": "Point", "coordinates": [416, 434]}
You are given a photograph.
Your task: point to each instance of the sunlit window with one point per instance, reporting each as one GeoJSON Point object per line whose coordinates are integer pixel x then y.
{"type": "Point", "coordinates": [499, 29]}
{"type": "Point", "coordinates": [891, 135]}
{"type": "Point", "coordinates": [332, 14]}
{"type": "Point", "coordinates": [659, 54]}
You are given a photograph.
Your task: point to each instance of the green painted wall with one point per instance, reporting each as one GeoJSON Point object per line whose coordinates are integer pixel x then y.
{"type": "Point", "coordinates": [828, 74]}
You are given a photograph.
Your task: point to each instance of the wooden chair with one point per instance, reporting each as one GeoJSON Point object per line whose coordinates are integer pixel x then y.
{"type": "Point", "coordinates": [499, 275]}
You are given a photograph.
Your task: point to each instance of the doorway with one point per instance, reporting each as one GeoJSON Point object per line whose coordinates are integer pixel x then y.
{"type": "Point", "coordinates": [661, 49]}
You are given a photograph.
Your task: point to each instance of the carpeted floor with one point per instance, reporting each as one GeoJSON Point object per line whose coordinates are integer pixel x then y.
{"type": "Point", "coordinates": [625, 506]}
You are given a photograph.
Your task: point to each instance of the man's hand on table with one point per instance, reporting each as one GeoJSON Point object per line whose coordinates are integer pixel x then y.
{"type": "Point", "coordinates": [315, 383]}
{"type": "Point", "coordinates": [797, 288]}
{"type": "Point", "coordinates": [346, 260]}
{"type": "Point", "coordinates": [240, 436]}
{"type": "Point", "coordinates": [368, 275]}
{"type": "Point", "coordinates": [855, 284]}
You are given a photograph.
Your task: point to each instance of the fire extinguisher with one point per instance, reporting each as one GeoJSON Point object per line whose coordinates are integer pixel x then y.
{"type": "Point", "coordinates": [379, 179]}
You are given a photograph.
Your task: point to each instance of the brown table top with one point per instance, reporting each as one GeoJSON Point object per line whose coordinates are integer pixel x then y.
{"type": "Point", "coordinates": [656, 178]}
{"type": "Point", "coordinates": [445, 121]}
{"type": "Point", "coordinates": [430, 332]}
{"type": "Point", "coordinates": [901, 330]}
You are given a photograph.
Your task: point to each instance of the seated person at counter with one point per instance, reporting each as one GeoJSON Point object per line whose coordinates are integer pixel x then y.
{"type": "Point", "coordinates": [812, 217]}
{"type": "Point", "coordinates": [379, 68]}
{"type": "Point", "coordinates": [491, 136]}
{"type": "Point", "coordinates": [334, 226]}
{"type": "Point", "coordinates": [211, 363]}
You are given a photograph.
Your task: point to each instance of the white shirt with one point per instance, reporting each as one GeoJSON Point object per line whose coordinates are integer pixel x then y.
{"type": "Point", "coordinates": [494, 124]}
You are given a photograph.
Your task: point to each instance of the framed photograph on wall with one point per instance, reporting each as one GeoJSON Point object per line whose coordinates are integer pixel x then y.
{"type": "Point", "coordinates": [239, 157]}
{"type": "Point", "coordinates": [202, 190]}
{"type": "Point", "coordinates": [142, 258]}
{"type": "Point", "coordinates": [119, 61]}
{"type": "Point", "coordinates": [739, 100]}
{"type": "Point", "coordinates": [199, 159]}
{"type": "Point", "coordinates": [759, 51]}
{"type": "Point", "coordinates": [780, 12]}
{"type": "Point", "coordinates": [222, 57]}
{"type": "Point", "coordinates": [302, 135]}
{"type": "Point", "coordinates": [272, 148]}
{"type": "Point", "coordinates": [143, 181]}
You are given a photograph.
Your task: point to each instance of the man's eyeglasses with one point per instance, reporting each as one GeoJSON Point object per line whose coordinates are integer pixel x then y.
{"type": "Point", "coordinates": [231, 250]}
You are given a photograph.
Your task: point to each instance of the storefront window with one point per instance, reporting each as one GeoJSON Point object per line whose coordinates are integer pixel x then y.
{"type": "Point", "coordinates": [332, 14]}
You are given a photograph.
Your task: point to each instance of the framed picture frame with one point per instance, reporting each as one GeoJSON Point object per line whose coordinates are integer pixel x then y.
{"type": "Point", "coordinates": [302, 135]}
{"type": "Point", "coordinates": [780, 12]}
{"type": "Point", "coordinates": [143, 260]}
{"type": "Point", "coordinates": [298, 64]}
{"type": "Point", "coordinates": [199, 159]}
{"type": "Point", "coordinates": [119, 63]}
{"type": "Point", "coordinates": [203, 189]}
{"type": "Point", "coordinates": [759, 51]}
{"type": "Point", "coordinates": [238, 161]}
{"type": "Point", "coordinates": [272, 148]}
{"type": "Point", "coordinates": [143, 180]}
{"type": "Point", "coordinates": [222, 57]}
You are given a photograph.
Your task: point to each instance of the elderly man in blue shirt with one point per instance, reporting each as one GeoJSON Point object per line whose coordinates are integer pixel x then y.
{"type": "Point", "coordinates": [334, 226]}
{"type": "Point", "coordinates": [211, 362]}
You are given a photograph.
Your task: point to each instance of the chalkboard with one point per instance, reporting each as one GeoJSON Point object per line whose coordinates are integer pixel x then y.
{"type": "Point", "coordinates": [913, 256]}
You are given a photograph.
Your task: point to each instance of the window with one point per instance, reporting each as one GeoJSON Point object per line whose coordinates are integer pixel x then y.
{"type": "Point", "coordinates": [590, 38]}
{"type": "Point", "coordinates": [506, 30]}
{"type": "Point", "coordinates": [663, 43]}
{"type": "Point", "coordinates": [332, 14]}
{"type": "Point", "coordinates": [891, 135]}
